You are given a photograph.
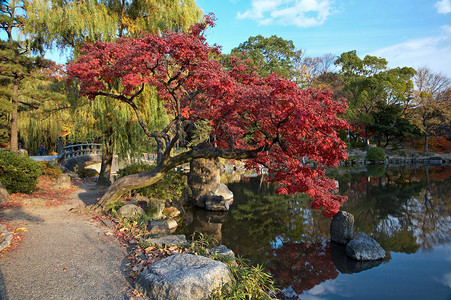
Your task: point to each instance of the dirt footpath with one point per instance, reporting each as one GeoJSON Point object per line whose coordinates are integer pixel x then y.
{"type": "Point", "coordinates": [60, 254]}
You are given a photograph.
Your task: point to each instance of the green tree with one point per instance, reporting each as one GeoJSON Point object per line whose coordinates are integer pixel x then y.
{"type": "Point", "coordinates": [69, 24]}
{"type": "Point", "coordinates": [21, 73]}
{"type": "Point", "coordinates": [273, 54]}
{"type": "Point", "coordinates": [373, 88]}
{"type": "Point", "coordinates": [431, 110]}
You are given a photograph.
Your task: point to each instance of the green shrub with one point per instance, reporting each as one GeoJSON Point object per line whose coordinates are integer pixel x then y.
{"type": "Point", "coordinates": [170, 187]}
{"type": "Point", "coordinates": [375, 154]}
{"type": "Point", "coordinates": [18, 173]}
{"type": "Point", "coordinates": [87, 173]}
{"type": "Point", "coordinates": [50, 171]}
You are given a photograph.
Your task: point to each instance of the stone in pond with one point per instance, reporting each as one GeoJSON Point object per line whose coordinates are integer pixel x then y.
{"type": "Point", "coordinates": [341, 227]}
{"type": "Point", "coordinates": [362, 247]}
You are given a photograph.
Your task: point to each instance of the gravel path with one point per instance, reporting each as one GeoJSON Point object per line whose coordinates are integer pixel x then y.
{"type": "Point", "coordinates": [63, 255]}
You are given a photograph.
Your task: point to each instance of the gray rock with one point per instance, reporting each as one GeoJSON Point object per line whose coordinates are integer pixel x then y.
{"type": "Point", "coordinates": [6, 237]}
{"type": "Point", "coordinates": [156, 207]}
{"type": "Point", "coordinates": [62, 182]}
{"type": "Point", "coordinates": [222, 190]}
{"type": "Point", "coordinates": [348, 265]}
{"type": "Point", "coordinates": [223, 251]}
{"type": "Point", "coordinates": [22, 152]}
{"type": "Point", "coordinates": [160, 228]}
{"type": "Point", "coordinates": [341, 227]}
{"type": "Point", "coordinates": [171, 212]}
{"type": "Point", "coordinates": [183, 276]}
{"type": "Point", "coordinates": [215, 203]}
{"type": "Point", "coordinates": [169, 240]}
{"type": "Point", "coordinates": [4, 195]}
{"type": "Point", "coordinates": [172, 224]}
{"type": "Point", "coordinates": [130, 211]}
{"type": "Point", "coordinates": [362, 247]}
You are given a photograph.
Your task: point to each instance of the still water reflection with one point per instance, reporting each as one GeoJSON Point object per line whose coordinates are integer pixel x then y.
{"type": "Point", "coordinates": [407, 210]}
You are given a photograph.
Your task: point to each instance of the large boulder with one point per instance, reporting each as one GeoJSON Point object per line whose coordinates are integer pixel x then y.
{"type": "Point", "coordinates": [183, 276]}
{"type": "Point", "coordinates": [203, 177]}
{"type": "Point", "coordinates": [362, 247]}
{"type": "Point", "coordinates": [4, 195]}
{"type": "Point", "coordinates": [204, 181]}
{"type": "Point", "coordinates": [130, 211]}
{"type": "Point", "coordinates": [341, 227]}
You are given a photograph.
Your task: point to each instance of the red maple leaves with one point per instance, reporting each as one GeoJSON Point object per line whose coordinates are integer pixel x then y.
{"type": "Point", "coordinates": [271, 117]}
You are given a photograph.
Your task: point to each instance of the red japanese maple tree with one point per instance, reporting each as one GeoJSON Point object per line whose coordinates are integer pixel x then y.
{"type": "Point", "coordinates": [267, 121]}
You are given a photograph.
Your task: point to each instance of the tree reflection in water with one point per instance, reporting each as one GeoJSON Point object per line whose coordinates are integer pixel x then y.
{"type": "Point", "coordinates": [404, 210]}
{"type": "Point", "coordinates": [300, 267]}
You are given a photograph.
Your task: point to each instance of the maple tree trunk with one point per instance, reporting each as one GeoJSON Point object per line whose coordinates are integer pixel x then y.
{"type": "Point", "coordinates": [14, 140]}
{"type": "Point", "coordinates": [128, 183]}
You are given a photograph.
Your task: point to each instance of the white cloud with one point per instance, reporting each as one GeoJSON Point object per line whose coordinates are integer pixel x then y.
{"type": "Point", "coordinates": [443, 6]}
{"type": "Point", "coordinates": [434, 52]}
{"type": "Point", "coordinates": [301, 13]}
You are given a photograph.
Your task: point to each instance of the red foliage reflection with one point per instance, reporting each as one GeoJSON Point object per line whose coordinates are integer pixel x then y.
{"type": "Point", "coordinates": [302, 266]}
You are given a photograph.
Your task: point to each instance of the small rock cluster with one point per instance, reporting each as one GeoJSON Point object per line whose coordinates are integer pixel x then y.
{"type": "Point", "coordinates": [358, 246]}
{"type": "Point", "coordinates": [167, 271]}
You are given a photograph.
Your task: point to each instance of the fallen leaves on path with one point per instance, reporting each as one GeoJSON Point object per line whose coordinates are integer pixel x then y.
{"type": "Point", "coordinates": [47, 194]}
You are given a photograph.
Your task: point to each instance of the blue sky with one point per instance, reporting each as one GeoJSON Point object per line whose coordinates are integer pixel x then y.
{"type": "Point", "coordinates": [405, 32]}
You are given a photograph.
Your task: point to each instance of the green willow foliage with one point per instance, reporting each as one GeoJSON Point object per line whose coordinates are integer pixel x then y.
{"type": "Point", "coordinates": [69, 24]}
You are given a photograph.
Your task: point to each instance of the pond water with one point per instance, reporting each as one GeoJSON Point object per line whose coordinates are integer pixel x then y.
{"type": "Point", "coordinates": [408, 211]}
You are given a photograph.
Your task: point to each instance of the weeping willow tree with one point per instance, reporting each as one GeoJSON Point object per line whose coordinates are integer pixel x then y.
{"type": "Point", "coordinates": [67, 24]}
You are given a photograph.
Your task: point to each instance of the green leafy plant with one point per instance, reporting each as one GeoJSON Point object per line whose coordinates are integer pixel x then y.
{"type": "Point", "coordinates": [50, 171]}
{"type": "Point", "coordinates": [375, 154]}
{"type": "Point", "coordinates": [170, 187]}
{"type": "Point", "coordinates": [18, 173]}
{"type": "Point", "coordinates": [248, 282]}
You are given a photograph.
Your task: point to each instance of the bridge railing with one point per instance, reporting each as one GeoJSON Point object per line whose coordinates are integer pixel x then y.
{"type": "Point", "coordinates": [77, 150]}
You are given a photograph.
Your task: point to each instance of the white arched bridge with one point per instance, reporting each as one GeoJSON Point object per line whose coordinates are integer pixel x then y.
{"type": "Point", "coordinates": [70, 156]}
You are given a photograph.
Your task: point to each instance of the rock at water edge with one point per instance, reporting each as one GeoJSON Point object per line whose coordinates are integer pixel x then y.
{"type": "Point", "coordinates": [183, 276]}
{"type": "Point", "coordinates": [341, 227]}
{"type": "Point", "coordinates": [159, 228]}
{"type": "Point", "coordinates": [362, 247]}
